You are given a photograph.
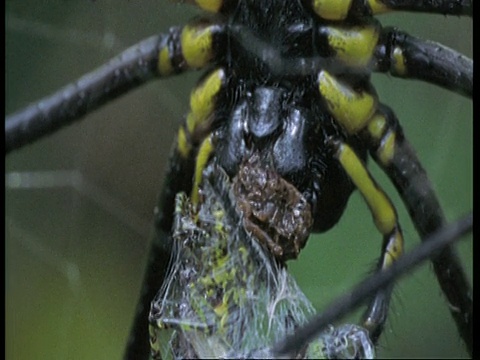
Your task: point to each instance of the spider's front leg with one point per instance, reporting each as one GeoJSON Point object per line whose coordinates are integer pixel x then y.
{"type": "Point", "coordinates": [341, 10]}
{"type": "Point", "coordinates": [193, 47]}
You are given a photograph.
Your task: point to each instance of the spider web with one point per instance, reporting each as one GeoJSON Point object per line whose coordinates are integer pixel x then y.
{"type": "Point", "coordinates": [79, 204]}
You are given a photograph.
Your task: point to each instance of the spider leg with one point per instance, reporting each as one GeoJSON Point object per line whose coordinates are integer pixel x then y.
{"type": "Point", "coordinates": [365, 46]}
{"type": "Point", "coordinates": [214, 6]}
{"type": "Point", "coordinates": [186, 163]}
{"type": "Point", "coordinates": [359, 113]}
{"type": "Point", "coordinates": [445, 7]}
{"type": "Point", "coordinates": [392, 151]}
{"type": "Point", "coordinates": [408, 57]}
{"type": "Point", "coordinates": [341, 10]}
{"type": "Point", "coordinates": [183, 48]}
{"type": "Point", "coordinates": [346, 303]}
{"type": "Point", "coordinates": [385, 218]}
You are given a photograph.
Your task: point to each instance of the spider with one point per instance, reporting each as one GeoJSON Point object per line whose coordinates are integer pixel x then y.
{"type": "Point", "coordinates": [20, 161]}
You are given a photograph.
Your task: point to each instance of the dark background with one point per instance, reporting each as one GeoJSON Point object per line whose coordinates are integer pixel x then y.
{"type": "Point", "coordinates": [79, 204]}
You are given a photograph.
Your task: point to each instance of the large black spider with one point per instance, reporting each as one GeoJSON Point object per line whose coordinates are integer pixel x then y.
{"type": "Point", "coordinates": [15, 160]}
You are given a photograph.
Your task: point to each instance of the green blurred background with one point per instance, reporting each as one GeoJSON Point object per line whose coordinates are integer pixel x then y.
{"type": "Point", "coordinates": [79, 204]}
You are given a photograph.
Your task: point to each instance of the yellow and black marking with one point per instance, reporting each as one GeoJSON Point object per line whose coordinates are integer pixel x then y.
{"type": "Point", "coordinates": [353, 45]}
{"type": "Point", "coordinates": [352, 109]}
{"type": "Point", "coordinates": [392, 151]}
{"type": "Point", "coordinates": [399, 62]}
{"type": "Point", "coordinates": [210, 5]}
{"type": "Point", "coordinates": [194, 137]}
{"type": "Point", "coordinates": [397, 53]}
{"type": "Point", "coordinates": [341, 9]}
{"type": "Point", "coordinates": [205, 152]}
{"type": "Point", "coordinates": [190, 47]}
{"type": "Point", "coordinates": [193, 145]}
{"type": "Point", "coordinates": [201, 114]}
{"type": "Point", "coordinates": [382, 136]}
{"type": "Point", "coordinates": [367, 46]}
{"type": "Point", "coordinates": [384, 217]}
{"type": "Point", "coordinates": [344, 9]}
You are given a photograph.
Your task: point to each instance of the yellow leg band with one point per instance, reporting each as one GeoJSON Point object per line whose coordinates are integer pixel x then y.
{"type": "Point", "coordinates": [351, 109]}
{"type": "Point", "coordinates": [332, 10]}
{"type": "Point", "coordinates": [210, 5]}
{"type": "Point", "coordinates": [164, 64]}
{"type": "Point", "coordinates": [382, 209]}
{"type": "Point", "coordinates": [386, 138]}
{"type": "Point", "coordinates": [202, 99]}
{"type": "Point", "coordinates": [353, 45]}
{"type": "Point", "coordinates": [377, 6]}
{"type": "Point", "coordinates": [394, 249]}
{"type": "Point", "coordinates": [399, 62]}
{"type": "Point", "coordinates": [183, 145]}
{"type": "Point", "coordinates": [386, 151]}
{"type": "Point", "coordinates": [202, 106]}
{"type": "Point", "coordinates": [197, 45]}
{"type": "Point", "coordinates": [204, 152]}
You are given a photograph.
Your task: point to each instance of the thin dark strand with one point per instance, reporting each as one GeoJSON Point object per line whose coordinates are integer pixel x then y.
{"type": "Point", "coordinates": [364, 290]}
{"type": "Point", "coordinates": [132, 68]}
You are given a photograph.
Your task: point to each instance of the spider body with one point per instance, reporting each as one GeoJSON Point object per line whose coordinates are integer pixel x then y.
{"type": "Point", "coordinates": [273, 89]}
{"type": "Point", "coordinates": [280, 125]}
